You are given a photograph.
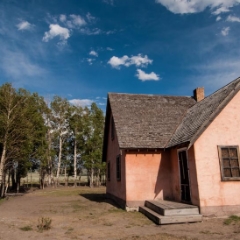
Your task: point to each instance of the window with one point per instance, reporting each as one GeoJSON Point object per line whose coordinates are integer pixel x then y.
{"type": "Point", "coordinates": [108, 171]}
{"type": "Point", "coordinates": [112, 128]}
{"type": "Point", "coordinates": [118, 165]}
{"type": "Point", "coordinates": [229, 161]}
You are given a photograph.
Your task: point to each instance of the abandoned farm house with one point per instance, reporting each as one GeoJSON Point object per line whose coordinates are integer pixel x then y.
{"type": "Point", "coordinates": [173, 148]}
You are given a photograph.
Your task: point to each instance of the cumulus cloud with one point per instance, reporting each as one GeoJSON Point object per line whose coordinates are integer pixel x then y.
{"type": "Point", "coordinates": [93, 53]}
{"type": "Point", "coordinates": [110, 49]}
{"type": "Point", "coordinates": [231, 18]}
{"type": "Point", "coordinates": [139, 61]}
{"type": "Point", "coordinates": [24, 25]}
{"type": "Point", "coordinates": [81, 102]}
{"type": "Point", "coordinates": [218, 18]}
{"type": "Point", "coordinates": [141, 75]}
{"type": "Point", "coordinates": [194, 6]}
{"type": "Point", "coordinates": [56, 31]}
{"type": "Point", "coordinates": [225, 31]}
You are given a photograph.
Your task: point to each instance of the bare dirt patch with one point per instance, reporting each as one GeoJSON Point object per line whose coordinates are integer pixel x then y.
{"type": "Point", "coordinates": [84, 213]}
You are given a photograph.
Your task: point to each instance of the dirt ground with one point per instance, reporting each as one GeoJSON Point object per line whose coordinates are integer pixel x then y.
{"type": "Point", "coordinates": [84, 213]}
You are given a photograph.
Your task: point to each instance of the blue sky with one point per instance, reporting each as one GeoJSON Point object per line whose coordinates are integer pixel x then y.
{"type": "Point", "coordinates": [83, 49]}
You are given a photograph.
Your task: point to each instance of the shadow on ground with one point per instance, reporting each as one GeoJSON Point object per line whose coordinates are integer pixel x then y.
{"type": "Point", "coordinates": [100, 198]}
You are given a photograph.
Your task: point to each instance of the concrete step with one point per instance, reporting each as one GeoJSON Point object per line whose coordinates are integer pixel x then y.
{"type": "Point", "coordinates": [169, 208]}
{"type": "Point", "coordinates": [160, 219]}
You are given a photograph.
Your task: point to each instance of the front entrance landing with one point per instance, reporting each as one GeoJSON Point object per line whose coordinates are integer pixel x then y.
{"type": "Point", "coordinates": [168, 212]}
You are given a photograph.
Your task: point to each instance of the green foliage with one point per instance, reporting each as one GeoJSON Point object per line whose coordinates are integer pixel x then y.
{"type": "Point", "coordinates": [232, 219]}
{"type": "Point", "coordinates": [44, 223]}
{"type": "Point", "coordinates": [26, 228]}
{"type": "Point", "coordinates": [34, 136]}
{"type": "Point", "coordinates": [94, 138]}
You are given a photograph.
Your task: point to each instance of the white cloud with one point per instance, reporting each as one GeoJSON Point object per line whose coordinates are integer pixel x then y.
{"type": "Point", "coordinates": [62, 18]}
{"type": "Point", "coordinates": [147, 76]}
{"type": "Point", "coordinates": [90, 18]}
{"type": "Point", "coordinates": [126, 61]}
{"type": "Point", "coordinates": [231, 18]}
{"type": "Point", "coordinates": [81, 102]}
{"type": "Point", "coordinates": [218, 18]}
{"type": "Point", "coordinates": [93, 53]}
{"type": "Point", "coordinates": [221, 10]}
{"type": "Point", "coordinates": [194, 6]}
{"type": "Point", "coordinates": [76, 21]}
{"type": "Point", "coordinates": [24, 25]}
{"type": "Point", "coordinates": [87, 31]}
{"type": "Point", "coordinates": [225, 31]}
{"type": "Point", "coordinates": [18, 65]}
{"type": "Point", "coordinates": [90, 60]}
{"type": "Point", "coordinates": [115, 62]}
{"type": "Point", "coordinates": [56, 31]}
{"type": "Point", "coordinates": [110, 49]}
{"type": "Point", "coordinates": [72, 21]}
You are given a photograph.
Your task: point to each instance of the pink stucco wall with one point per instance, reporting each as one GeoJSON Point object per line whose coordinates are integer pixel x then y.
{"type": "Point", "coordinates": [148, 176]}
{"type": "Point", "coordinates": [216, 196]}
{"type": "Point", "coordinates": [115, 188]}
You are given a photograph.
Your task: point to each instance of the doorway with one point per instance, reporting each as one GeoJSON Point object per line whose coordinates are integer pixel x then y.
{"type": "Point", "coordinates": [184, 176]}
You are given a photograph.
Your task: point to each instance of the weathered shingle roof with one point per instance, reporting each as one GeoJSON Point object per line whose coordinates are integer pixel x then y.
{"type": "Point", "coordinates": [154, 121]}
{"type": "Point", "coordinates": [147, 121]}
{"type": "Point", "coordinates": [199, 116]}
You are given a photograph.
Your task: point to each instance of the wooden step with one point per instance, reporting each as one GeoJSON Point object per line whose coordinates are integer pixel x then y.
{"type": "Point", "coordinates": [160, 219]}
{"type": "Point", "coordinates": [169, 208]}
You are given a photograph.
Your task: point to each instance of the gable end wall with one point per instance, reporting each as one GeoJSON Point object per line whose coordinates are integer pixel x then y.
{"type": "Point", "coordinates": [218, 197]}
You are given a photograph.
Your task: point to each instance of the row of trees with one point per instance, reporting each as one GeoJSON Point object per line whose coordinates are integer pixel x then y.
{"type": "Point", "coordinates": [47, 137]}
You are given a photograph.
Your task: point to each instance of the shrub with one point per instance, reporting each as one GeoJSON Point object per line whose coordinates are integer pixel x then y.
{"type": "Point", "coordinates": [44, 223]}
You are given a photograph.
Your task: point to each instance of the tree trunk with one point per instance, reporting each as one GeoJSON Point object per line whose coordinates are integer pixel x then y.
{"type": "Point", "coordinates": [80, 176]}
{"type": "Point", "coordinates": [3, 187]}
{"type": "Point", "coordinates": [65, 175]}
{"type": "Point", "coordinates": [2, 164]}
{"type": "Point", "coordinates": [18, 182]}
{"type": "Point", "coordinates": [59, 159]}
{"type": "Point", "coordinates": [98, 177]}
{"type": "Point", "coordinates": [49, 159]}
{"type": "Point", "coordinates": [91, 176]}
{"type": "Point", "coordinates": [75, 162]}
{"type": "Point", "coordinates": [14, 185]}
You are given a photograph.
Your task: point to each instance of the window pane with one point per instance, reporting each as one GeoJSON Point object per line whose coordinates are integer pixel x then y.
{"type": "Point", "coordinates": [235, 172]}
{"type": "Point", "coordinates": [225, 153]}
{"type": "Point", "coordinates": [227, 172]}
{"type": "Point", "coordinates": [226, 163]}
{"type": "Point", "coordinates": [234, 163]}
{"type": "Point", "coordinates": [233, 152]}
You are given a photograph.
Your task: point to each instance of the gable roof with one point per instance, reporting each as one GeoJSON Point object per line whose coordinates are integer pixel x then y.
{"type": "Point", "coordinates": [199, 116]}
{"type": "Point", "coordinates": [146, 121]}
{"type": "Point", "coordinates": [155, 121]}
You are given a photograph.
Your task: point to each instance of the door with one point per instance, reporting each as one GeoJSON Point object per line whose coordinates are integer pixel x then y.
{"type": "Point", "coordinates": [184, 176]}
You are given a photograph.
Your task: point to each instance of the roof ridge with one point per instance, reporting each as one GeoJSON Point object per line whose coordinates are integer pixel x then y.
{"type": "Point", "coordinates": [150, 95]}
{"type": "Point", "coordinates": [201, 123]}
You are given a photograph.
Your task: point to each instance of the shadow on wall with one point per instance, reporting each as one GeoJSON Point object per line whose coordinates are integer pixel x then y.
{"type": "Point", "coordinates": [163, 187]}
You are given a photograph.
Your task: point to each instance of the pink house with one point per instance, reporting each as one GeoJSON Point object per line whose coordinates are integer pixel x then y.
{"type": "Point", "coordinates": [183, 149]}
